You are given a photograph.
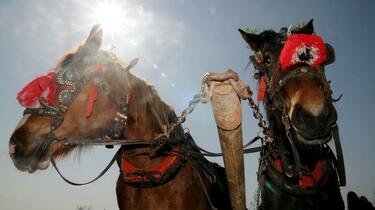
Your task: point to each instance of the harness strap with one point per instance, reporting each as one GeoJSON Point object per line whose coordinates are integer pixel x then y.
{"type": "Point", "coordinates": [86, 183]}
{"type": "Point", "coordinates": [207, 153]}
{"type": "Point", "coordinates": [197, 175]}
{"type": "Point", "coordinates": [290, 172]}
{"type": "Point", "coordinates": [104, 141]}
{"type": "Point", "coordinates": [340, 164]}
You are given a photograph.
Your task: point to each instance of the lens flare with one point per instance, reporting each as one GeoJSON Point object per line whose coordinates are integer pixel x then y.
{"type": "Point", "coordinates": [110, 16]}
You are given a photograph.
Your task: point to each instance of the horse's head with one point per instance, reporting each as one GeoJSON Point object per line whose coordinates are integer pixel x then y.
{"type": "Point", "coordinates": [290, 68]}
{"type": "Point", "coordinates": [75, 100]}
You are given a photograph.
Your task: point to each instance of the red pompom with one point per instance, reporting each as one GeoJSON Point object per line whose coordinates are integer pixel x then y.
{"type": "Point", "coordinates": [302, 49]}
{"type": "Point", "coordinates": [43, 88]}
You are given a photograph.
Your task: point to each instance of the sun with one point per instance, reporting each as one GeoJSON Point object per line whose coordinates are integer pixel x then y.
{"type": "Point", "coordinates": [110, 15]}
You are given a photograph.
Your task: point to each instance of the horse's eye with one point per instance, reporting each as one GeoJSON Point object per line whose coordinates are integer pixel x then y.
{"type": "Point", "coordinates": [256, 75]}
{"type": "Point", "coordinates": [266, 60]}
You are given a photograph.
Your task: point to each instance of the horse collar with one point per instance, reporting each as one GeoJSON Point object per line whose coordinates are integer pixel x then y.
{"type": "Point", "coordinates": [304, 182]}
{"type": "Point", "coordinates": [152, 176]}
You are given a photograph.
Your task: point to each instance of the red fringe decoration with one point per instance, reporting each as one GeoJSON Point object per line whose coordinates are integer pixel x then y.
{"type": "Point", "coordinates": [43, 88]}
{"type": "Point", "coordinates": [261, 88]}
{"type": "Point", "coordinates": [296, 42]}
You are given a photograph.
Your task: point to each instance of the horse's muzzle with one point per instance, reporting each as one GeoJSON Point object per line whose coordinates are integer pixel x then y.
{"type": "Point", "coordinates": [311, 127]}
{"type": "Point", "coordinates": [21, 160]}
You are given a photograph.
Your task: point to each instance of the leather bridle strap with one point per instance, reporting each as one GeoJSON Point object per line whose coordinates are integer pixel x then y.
{"type": "Point", "coordinates": [97, 141]}
{"type": "Point", "coordinates": [198, 151]}
{"type": "Point", "coordinates": [104, 141]}
{"type": "Point", "coordinates": [89, 182]}
{"type": "Point", "coordinates": [340, 164]}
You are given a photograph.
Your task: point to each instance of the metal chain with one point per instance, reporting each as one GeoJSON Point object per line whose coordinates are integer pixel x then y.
{"type": "Point", "coordinates": [161, 139]}
{"type": "Point", "coordinates": [204, 97]}
{"type": "Point", "coordinates": [261, 122]}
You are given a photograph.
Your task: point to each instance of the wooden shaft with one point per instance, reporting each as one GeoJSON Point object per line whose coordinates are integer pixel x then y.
{"type": "Point", "coordinates": [228, 115]}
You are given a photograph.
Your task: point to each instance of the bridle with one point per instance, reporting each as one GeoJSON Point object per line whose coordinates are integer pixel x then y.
{"type": "Point", "coordinates": [70, 83]}
{"type": "Point", "coordinates": [275, 81]}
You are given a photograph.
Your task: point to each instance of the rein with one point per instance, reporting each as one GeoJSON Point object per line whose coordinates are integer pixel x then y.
{"type": "Point", "coordinates": [113, 160]}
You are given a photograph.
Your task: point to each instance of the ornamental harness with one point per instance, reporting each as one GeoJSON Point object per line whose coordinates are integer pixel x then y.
{"type": "Point", "coordinates": [300, 55]}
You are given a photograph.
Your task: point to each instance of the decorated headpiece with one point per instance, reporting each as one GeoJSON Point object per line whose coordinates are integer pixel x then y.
{"type": "Point", "coordinates": [303, 49]}
{"type": "Point", "coordinates": [42, 88]}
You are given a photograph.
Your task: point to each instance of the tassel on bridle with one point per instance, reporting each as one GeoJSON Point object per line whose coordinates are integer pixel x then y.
{"type": "Point", "coordinates": [92, 99]}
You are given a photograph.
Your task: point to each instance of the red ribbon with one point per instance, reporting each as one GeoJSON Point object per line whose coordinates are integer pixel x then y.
{"type": "Point", "coordinates": [91, 101]}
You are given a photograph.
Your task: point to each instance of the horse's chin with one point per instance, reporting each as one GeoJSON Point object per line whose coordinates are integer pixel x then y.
{"type": "Point", "coordinates": [317, 140]}
{"type": "Point", "coordinates": [32, 165]}
{"type": "Point", "coordinates": [42, 165]}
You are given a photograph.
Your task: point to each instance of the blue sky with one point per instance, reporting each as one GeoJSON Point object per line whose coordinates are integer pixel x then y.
{"type": "Point", "coordinates": [177, 41]}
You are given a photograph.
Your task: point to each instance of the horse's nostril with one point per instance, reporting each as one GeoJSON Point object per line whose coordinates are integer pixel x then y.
{"type": "Point", "coordinates": [12, 148]}
{"type": "Point", "coordinates": [299, 114]}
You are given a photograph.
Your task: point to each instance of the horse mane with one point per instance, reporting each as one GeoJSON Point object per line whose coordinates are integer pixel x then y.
{"type": "Point", "coordinates": [156, 110]}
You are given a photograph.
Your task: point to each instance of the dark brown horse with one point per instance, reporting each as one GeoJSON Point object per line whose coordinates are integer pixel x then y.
{"type": "Point", "coordinates": [298, 170]}
{"type": "Point", "coordinates": [96, 95]}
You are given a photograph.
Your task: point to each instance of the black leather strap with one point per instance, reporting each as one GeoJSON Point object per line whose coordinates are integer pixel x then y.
{"type": "Point", "coordinates": [113, 160]}
{"type": "Point", "coordinates": [340, 164]}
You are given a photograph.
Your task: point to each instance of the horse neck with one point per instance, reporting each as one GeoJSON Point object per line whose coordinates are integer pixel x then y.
{"type": "Point", "coordinates": [147, 114]}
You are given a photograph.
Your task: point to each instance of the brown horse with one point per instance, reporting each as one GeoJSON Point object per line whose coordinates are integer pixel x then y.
{"type": "Point", "coordinates": [298, 170]}
{"type": "Point", "coordinates": [96, 95]}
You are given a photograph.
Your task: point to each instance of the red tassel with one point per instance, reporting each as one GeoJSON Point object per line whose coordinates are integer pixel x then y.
{"type": "Point", "coordinates": [91, 100]}
{"type": "Point", "coordinates": [43, 88]}
{"type": "Point", "coordinates": [261, 88]}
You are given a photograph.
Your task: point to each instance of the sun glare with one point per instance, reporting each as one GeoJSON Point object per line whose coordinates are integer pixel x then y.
{"type": "Point", "coordinates": [110, 16]}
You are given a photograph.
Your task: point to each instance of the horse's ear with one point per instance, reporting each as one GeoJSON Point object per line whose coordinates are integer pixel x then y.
{"type": "Point", "coordinates": [330, 51]}
{"type": "Point", "coordinates": [132, 64]}
{"type": "Point", "coordinates": [94, 40]}
{"type": "Point", "coordinates": [253, 40]}
{"type": "Point", "coordinates": [306, 29]}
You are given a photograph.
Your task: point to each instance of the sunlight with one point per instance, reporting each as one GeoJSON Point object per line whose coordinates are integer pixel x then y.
{"type": "Point", "coordinates": [110, 15]}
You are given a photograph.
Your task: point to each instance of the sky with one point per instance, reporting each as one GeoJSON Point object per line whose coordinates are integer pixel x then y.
{"type": "Point", "coordinates": [178, 41]}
